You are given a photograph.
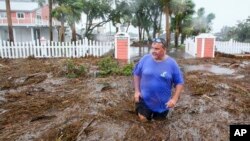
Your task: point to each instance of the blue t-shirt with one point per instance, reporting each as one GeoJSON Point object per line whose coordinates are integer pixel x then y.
{"type": "Point", "coordinates": [157, 80]}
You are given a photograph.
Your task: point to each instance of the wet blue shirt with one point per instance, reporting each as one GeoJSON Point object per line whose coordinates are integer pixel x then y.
{"type": "Point", "coordinates": [157, 80]}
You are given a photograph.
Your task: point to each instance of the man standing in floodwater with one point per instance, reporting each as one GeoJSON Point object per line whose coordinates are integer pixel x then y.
{"type": "Point", "coordinates": [154, 77]}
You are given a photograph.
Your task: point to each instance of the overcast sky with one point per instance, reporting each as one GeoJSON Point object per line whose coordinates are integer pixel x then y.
{"type": "Point", "coordinates": [227, 12]}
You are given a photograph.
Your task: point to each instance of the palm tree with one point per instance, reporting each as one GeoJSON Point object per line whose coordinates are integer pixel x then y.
{"type": "Point", "coordinates": [156, 10]}
{"type": "Point", "coordinates": [60, 14]}
{"type": "Point", "coordinates": [143, 17]}
{"type": "Point", "coordinates": [96, 9]}
{"type": "Point", "coordinates": [182, 10]}
{"type": "Point", "coordinates": [166, 10]}
{"type": "Point", "coordinates": [74, 15]}
{"type": "Point", "coordinates": [202, 23]}
{"type": "Point", "coordinates": [121, 14]}
{"type": "Point", "coordinates": [50, 21]}
{"type": "Point", "coordinates": [68, 11]}
{"type": "Point", "coordinates": [51, 2]}
{"type": "Point", "coordinates": [8, 10]}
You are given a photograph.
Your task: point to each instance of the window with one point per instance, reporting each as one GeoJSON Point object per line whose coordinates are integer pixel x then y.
{"type": "Point", "coordinates": [38, 17]}
{"type": "Point", "coordinates": [3, 15]}
{"type": "Point", "coordinates": [20, 15]}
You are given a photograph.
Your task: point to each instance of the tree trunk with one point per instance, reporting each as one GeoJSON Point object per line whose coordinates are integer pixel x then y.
{"type": "Point", "coordinates": [116, 29]}
{"type": "Point", "coordinates": [176, 39]}
{"type": "Point", "coordinates": [50, 21]}
{"type": "Point", "coordinates": [73, 28]}
{"type": "Point", "coordinates": [177, 32]}
{"type": "Point", "coordinates": [148, 34]}
{"type": "Point", "coordinates": [155, 22]}
{"type": "Point", "coordinates": [167, 27]}
{"type": "Point", "coordinates": [58, 28]}
{"type": "Point", "coordinates": [183, 38]}
{"type": "Point", "coordinates": [62, 31]}
{"type": "Point", "coordinates": [8, 10]}
{"type": "Point", "coordinates": [155, 28]}
{"type": "Point", "coordinates": [143, 34]}
{"type": "Point", "coordinates": [139, 30]}
{"type": "Point", "coordinates": [127, 27]}
{"type": "Point", "coordinates": [159, 26]}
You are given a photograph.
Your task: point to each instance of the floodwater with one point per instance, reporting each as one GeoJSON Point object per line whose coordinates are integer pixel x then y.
{"type": "Point", "coordinates": [210, 68]}
{"type": "Point", "coordinates": [180, 54]}
{"type": "Point", "coordinates": [135, 51]}
{"type": "Point", "coordinates": [37, 102]}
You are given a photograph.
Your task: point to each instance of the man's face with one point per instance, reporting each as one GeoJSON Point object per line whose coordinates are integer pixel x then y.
{"type": "Point", "coordinates": [158, 51]}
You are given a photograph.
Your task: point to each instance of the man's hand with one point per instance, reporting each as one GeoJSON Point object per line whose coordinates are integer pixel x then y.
{"type": "Point", "coordinates": [171, 103]}
{"type": "Point", "coordinates": [137, 96]}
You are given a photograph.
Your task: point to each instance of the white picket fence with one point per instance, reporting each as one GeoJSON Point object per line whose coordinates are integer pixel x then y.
{"type": "Point", "coordinates": [82, 48]}
{"type": "Point", "coordinates": [190, 46]}
{"type": "Point", "coordinates": [229, 47]}
{"type": "Point", "coordinates": [232, 47]}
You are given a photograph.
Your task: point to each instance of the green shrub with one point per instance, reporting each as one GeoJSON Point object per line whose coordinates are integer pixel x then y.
{"type": "Point", "coordinates": [109, 66]}
{"type": "Point", "coordinates": [74, 70]}
{"type": "Point", "coordinates": [182, 46]}
{"type": "Point", "coordinates": [127, 69]}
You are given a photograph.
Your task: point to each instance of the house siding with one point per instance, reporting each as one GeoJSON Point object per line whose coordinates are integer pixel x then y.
{"type": "Point", "coordinates": [24, 34]}
{"type": "Point", "coordinates": [25, 29]}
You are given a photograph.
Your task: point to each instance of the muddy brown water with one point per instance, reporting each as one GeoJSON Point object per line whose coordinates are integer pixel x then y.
{"type": "Point", "coordinates": [210, 68]}
{"type": "Point", "coordinates": [37, 102]}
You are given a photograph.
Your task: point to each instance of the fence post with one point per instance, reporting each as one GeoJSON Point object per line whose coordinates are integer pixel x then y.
{"type": "Point", "coordinates": [122, 46]}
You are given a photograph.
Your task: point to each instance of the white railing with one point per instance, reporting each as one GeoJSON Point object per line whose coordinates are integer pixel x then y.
{"type": "Point", "coordinates": [29, 21]}
{"type": "Point", "coordinates": [232, 47]}
{"type": "Point", "coordinates": [190, 47]}
{"type": "Point", "coordinates": [48, 49]}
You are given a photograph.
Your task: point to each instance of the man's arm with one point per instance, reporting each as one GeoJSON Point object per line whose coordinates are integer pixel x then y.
{"type": "Point", "coordinates": [171, 103]}
{"type": "Point", "coordinates": [137, 87]}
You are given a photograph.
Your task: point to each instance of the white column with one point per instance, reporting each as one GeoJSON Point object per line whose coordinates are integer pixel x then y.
{"type": "Point", "coordinates": [32, 34]}
{"type": "Point", "coordinates": [129, 52]}
{"type": "Point", "coordinates": [1, 36]}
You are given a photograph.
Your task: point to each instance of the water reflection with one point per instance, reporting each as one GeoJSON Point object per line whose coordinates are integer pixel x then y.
{"type": "Point", "coordinates": [178, 53]}
{"type": "Point", "coordinates": [211, 68]}
{"type": "Point", "coordinates": [135, 51]}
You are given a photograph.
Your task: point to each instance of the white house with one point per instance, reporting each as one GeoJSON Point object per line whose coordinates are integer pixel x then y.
{"type": "Point", "coordinates": [29, 21]}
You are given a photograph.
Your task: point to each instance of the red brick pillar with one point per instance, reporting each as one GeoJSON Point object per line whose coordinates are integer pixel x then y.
{"type": "Point", "coordinates": [122, 46]}
{"type": "Point", "coordinates": [205, 45]}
